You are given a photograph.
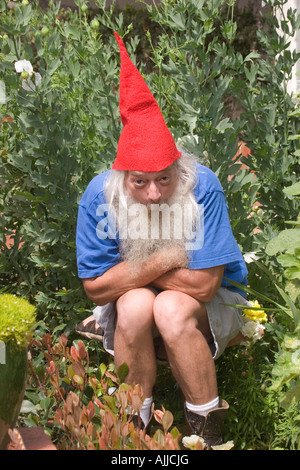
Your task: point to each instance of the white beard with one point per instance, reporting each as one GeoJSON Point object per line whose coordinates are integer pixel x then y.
{"type": "Point", "coordinates": [147, 229]}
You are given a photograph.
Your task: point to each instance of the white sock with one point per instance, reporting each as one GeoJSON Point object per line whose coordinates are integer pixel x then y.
{"type": "Point", "coordinates": [146, 410]}
{"type": "Point", "coordinates": [203, 409]}
{"type": "Point", "coordinates": [146, 407]}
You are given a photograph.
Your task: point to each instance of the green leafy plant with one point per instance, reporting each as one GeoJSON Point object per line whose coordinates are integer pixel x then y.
{"type": "Point", "coordinates": [282, 383]}
{"type": "Point", "coordinates": [63, 129]}
{"type": "Point", "coordinates": [89, 408]}
{"type": "Point", "coordinates": [52, 135]}
{"type": "Point", "coordinates": [286, 369]}
{"type": "Point", "coordinates": [242, 379]}
{"type": "Point", "coordinates": [287, 243]}
{"type": "Point", "coordinates": [59, 126]}
{"type": "Point", "coordinates": [72, 401]}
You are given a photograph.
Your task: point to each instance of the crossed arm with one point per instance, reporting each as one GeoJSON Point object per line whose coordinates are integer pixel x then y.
{"type": "Point", "coordinates": [202, 284]}
{"type": "Point", "coordinates": [161, 271]}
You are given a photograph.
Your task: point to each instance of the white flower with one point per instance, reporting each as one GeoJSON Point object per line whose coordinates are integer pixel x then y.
{"type": "Point", "coordinates": [249, 257]}
{"type": "Point", "coordinates": [23, 66]}
{"type": "Point", "coordinates": [31, 79]}
{"type": "Point", "coordinates": [191, 441]}
{"type": "Point", "coordinates": [252, 330]}
{"type": "Point", "coordinates": [227, 446]}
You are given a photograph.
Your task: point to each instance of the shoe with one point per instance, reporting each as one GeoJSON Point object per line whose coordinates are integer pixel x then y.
{"type": "Point", "coordinates": [90, 329]}
{"type": "Point", "coordinates": [208, 427]}
{"type": "Point", "coordinates": [138, 423]}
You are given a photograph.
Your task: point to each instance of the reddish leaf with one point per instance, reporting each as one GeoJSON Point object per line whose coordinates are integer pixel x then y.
{"type": "Point", "coordinates": [102, 444]}
{"type": "Point", "coordinates": [63, 340]}
{"type": "Point", "coordinates": [98, 403]}
{"type": "Point", "coordinates": [7, 119]}
{"type": "Point", "coordinates": [90, 411]}
{"type": "Point", "coordinates": [78, 369]}
{"type": "Point", "coordinates": [46, 339]}
{"type": "Point", "coordinates": [74, 353]}
{"type": "Point", "coordinates": [81, 350]}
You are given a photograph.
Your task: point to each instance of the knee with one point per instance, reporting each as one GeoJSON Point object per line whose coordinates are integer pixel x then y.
{"type": "Point", "coordinates": [172, 314]}
{"type": "Point", "coordinates": [135, 311]}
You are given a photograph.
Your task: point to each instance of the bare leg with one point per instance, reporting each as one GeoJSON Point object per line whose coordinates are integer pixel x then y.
{"type": "Point", "coordinates": [183, 324]}
{"type": "Point", "coordinates": [133, 342]}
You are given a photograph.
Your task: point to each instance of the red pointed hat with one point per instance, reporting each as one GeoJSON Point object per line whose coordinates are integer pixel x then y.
{"type": "Point", "coordinates": [145, 144]}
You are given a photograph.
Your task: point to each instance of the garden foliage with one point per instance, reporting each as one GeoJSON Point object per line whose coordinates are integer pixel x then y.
{"type": "Point", "coordinates": [59, 126]}
{"type": "Point", "coordinates": [17, 320]}
{"type": "Point", "coordinates": [81, 405]}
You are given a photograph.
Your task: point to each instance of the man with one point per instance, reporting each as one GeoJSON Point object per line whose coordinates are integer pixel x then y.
{"type": "Point", "coordinates": [154, 245]}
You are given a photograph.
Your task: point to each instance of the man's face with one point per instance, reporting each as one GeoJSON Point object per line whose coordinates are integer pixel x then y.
{"type": "Point", "coordinates": [153, 187]}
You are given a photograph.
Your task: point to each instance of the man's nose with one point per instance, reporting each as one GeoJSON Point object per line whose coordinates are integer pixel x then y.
{"type": "Point", "coordinates": [153, 193]}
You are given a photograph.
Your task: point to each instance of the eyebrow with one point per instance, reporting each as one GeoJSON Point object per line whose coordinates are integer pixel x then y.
{"type": "Point", "coordinates": [144, 173]}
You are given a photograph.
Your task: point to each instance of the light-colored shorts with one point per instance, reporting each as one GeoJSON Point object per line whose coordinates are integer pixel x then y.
{"type": "Point", "coordinates": [225, 321]}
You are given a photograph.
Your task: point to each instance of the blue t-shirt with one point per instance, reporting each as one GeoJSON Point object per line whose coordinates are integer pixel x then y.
{"type": "Point", "coordinates": [96, 253]}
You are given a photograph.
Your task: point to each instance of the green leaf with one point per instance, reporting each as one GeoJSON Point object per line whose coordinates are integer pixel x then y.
{"type": "Point", "coordinates": [252, 55]}
{"type": "Point", "coordinates": [31, 421]}
{"type": "Point", "coordinates": [59, 327]}
{"type": "Point", "coordinates": [251, 74]}
{"type": "Point", "coordinates": [29, 196]}
{"type": "Point", "coordinates": [229, 29]}
{"type": "Point", "coordinates": [53, 65]}
{"type": "Point", "coordinates": [295, 113]}
{"type": "Point", "coordinates": [292, 396]}
{"type": "Point", "coordinates": [294, 137]}
{"type": "Point", "coordinates": [167, 420]}
{"type": "Point", "coordinates": [102, 368]}
{"type": "Point", "coordinates": [292, 190]}
{"type": "Point", "coordinates": [45, 403]}
{"type": "Point", "coordinates": [23, 15]}
{"type": "Point", "coordinates": [123, 371]}
{"type": "Point", "coordinates": [28, 407]}
{"type": "Point", "coordinates": [110, 401]}
{"type": "Point", "coordinates": [224, 125]}
{"type": "Point", "coordinates": [288, 300]}
{"type": "Point", "coordinates": [288, 239]}
{"type": "Point", "coordinates": [292, 273]}
{"type": "Point", "coordinates": [175, 433]}
{"type": "Point", "coordinates": [177, 21]}
{"type": "Point", "coordinates": [293, 289]}
{"type": "Point", "coordinates": [288, 260]}
{"type": "Point", "coordinates": [259, 295]}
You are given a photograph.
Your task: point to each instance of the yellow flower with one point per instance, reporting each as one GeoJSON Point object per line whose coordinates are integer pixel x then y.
{"type": "Point", "coordinates": [255, 315]}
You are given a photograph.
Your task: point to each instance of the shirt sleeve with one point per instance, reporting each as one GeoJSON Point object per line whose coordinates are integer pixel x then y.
{"type": "Point", "coordinates": [97, 248]}
{"type": "Point", "coordinates": [218, 245]}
